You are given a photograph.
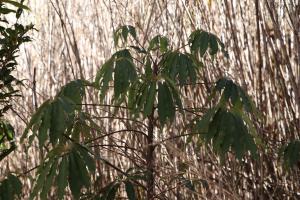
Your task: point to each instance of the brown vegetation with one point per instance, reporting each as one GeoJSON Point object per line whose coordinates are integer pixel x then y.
{"type": "Point", "coordinates": [263, 41]}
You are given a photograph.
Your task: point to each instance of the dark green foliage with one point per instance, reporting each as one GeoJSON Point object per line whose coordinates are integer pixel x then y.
{"type": "Point", "coordinates": [55, 118]}
{"type": "Point", "coordinates": [130, 190]}
{"type": "Point", "coordinates": [179, 67]}
{"type": "Point", "coordinates": [70, 164]}
{"type": "Point", "coordinates": [291, 154]}
{"type": "Point", "coordinates": [146, 85]}
{"type": "Point", "coordinates": [227, 131]}
{"type": "Point", "coordinates": [61, 122]}
{"type": "Point", "coordinates": [10, 188]}
{"type": "Point", "coordinates": [227, 125]}
{"type": "Point", "coordinates": [122, 32]}
{"type": "Point", "coordinates": [200, 41]}
{"type": "Point", "coordinates": [12, 36]}
{"type": "Point", "coordinates": [7, 139]}
{"type": "Point", "coordinates": [160, 43]}
{"type": "Point", "coordinates": [120, 67]}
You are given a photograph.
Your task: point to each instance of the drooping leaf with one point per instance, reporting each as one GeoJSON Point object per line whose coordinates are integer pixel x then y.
{"type": "Point", "coordinates": [124, 72]}
{"type": "Point", "coordinates": [73, 91]}
{"type": "Point", "coordinates": [291, 153]}
{"type": "Point", "coordinates": [74, 177]}
{"type": "Point", "coordinates": [227, 131]}
{"type": "Point", "coordinates": [104, 76]}
{"type": "Point", "coordinates": [200, 41]}
{"type": "Point", "coordinates": [49, 180]}
{"type": "Point", "coordinates": [45, 126]}
{"type": "Point", "coordinates": [175, 93]}
{"type": "Point", "coordinates": [89, 161]}
{"type": "Point", "coordinates": [166, 108]}
{"type": "Point", "coordinates": [123, 32]}
{"type": "Point", "coordinates": [42, 172]}
{"type": "Point", "coordinates": [179, 67]}
{"type": "Point", "coordinates": [62, 177]}
{"type": "Point", "coordinates": [158, 42]}
{"type": "Point", "coordinates": [130, 190]}
{"type": "Point", "coordinates": [35, 118]}
{"type": "Point", "coordinates": [10, 188]}
{"type": "Point", "coordinates": [58, 122]}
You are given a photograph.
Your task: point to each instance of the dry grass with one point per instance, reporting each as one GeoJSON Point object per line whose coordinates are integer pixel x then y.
{"type": "Point", "coordinates": [262, 38]}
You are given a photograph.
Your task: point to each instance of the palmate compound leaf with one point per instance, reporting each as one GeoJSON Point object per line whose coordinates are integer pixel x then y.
{"type": "Point", "coordinates": [104, 76]}
{"type": "Point", "coordinates": [119, 68]}
{"type": "Point", "coordinates": [63, 166]}
{"type": "Point", "coordinates": [124, 72]}
{"type": "Point", "coordinates": [54, 116]}
{"type": "Point", "coordinates": [142, 97]}
{"type": "Point", "coordinates": [201, 41]}
{"type": "Point", "coordinates": [158, 42]}
{"type": "Point", "coordinates": [227, 124]}
{"type": "Point", "coordinates": [227, 131]}
{"type": "Point", "coordinates": [179, 67]}
{"type": "Point", "coordinates": [10, 188]}
{"type": "Point", "coordinates": [290, 153]}
{"type": "Point", "coordinates": [122, 32]}
{"type": "Point", "coordinates": [234, 95]}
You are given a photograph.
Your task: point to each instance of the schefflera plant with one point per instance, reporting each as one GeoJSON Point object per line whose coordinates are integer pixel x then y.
{"type": "Point", "coordinates": [149, 79]}
{"type": "Point", "coordinates": [61, 126]}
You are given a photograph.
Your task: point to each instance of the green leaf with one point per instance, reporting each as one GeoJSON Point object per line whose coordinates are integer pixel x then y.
{"type": "Point", "coordinates": [6, 11]}
{"type": "Point", "coordinates": [42, 173]}
{"type": "Point", "coordinates": [82, 170]}
{"type": "Point", "coordinates": [130, 190]}
{"type": "Point", "coordinates": [213, 44]}
{"type": "Point", "coordinates": [123, 32]}
{"type": "Point", "coordinates": [58, 121]}
{"type": "Point", "coordinates": [124, 73]}
{"type": "Point", "coordinates": [10, 188]}
{"type": "Point", "coordinates": [226, 130]}
{"type": "Point", "coordinates": [75, 181]}
{"type": "Point", "coordinates": [158, 42]}
{"type": "Point", "coordinates": [291, 153]}
{"type": "Point", "coordinates": [179, 66]}
{"type": "Point", "coordinates": [150, 99]}
{"type": "Point", "coordinates": [89, 161]}
{"type": "Point", "coordinates": [201, 40]}
{"type": "Point", "coordinates": [45, 126]}
{"type": "Point", "coordinates": [175, 93]}
{"type": "Point", "coordinates": [49, 180]}
{"type": "Point", "coordinates": [166, 108]}
{"type": "Point", "coordinates": [148, 68]}
{"type": "Point", "coordinates": [203, 124]}
{"type": "Point", "coordinates": [104, 76]}
{"type": "Point", "coordinates": [35, 118]}
{"type": "Point", "coordinates": [113, 191]}
{"type": "Point", "coordinates": [62, 177]}
{"type": "Point", "coordinates": [74, 91]}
